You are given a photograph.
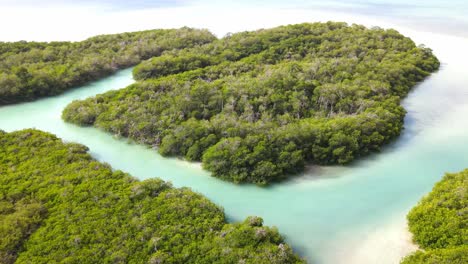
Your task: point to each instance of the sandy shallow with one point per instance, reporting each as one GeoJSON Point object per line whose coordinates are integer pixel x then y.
{"type": "Point", "coordinates": [387, 243]}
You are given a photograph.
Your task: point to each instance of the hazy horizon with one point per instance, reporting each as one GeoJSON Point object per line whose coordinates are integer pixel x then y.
{"type": "Point", "coordinates": [52, 20]}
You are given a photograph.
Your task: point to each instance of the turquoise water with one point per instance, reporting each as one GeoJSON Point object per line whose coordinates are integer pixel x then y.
{"type": "Point", "coordinates": [352, 214]}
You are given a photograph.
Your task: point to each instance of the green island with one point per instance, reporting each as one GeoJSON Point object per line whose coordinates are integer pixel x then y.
{"type": "Point", "coordinates": [30, 70]}
{"type": "Point", "coordinates": [259, 106]}
{"type": "Point", "coordinates": [439, 223]}
{"type": "Point", "coordinates": [58, 204]}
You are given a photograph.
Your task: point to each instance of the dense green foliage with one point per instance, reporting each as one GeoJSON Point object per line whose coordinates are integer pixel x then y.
{"type": "Point", "coordinates": [29, 70]}
{"type": "Point", "coordinates": [439, 223]}
{"type": "Point", "coordinates": [57, 204]}
{"type": "Point", "coordinates": [257, 106]}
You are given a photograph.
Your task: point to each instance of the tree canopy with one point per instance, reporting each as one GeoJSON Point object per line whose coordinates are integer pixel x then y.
{"type": "Point", "coordinates": [30, 70]}
{"type": "Point", "coordinates": [257, 106]}
{"type": "Point", "coordinates": [57, 204]}
{"type": "Point", "coordinates": [439, 223]}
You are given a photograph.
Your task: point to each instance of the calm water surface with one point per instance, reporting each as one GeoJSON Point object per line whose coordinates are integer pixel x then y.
{"type": "Point", "coordinates": [352, 214]}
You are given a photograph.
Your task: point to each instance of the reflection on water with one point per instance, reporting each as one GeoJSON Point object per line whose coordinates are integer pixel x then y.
{"type": "Point", "coordinates": [352, 214]}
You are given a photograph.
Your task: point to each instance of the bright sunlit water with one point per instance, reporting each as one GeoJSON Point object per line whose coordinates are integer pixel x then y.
{"type": "Point", "coordinates": [352, 214]}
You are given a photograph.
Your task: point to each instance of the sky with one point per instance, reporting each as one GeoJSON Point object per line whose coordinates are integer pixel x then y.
{"type": "Point", "coordinates": [113, 4]}
{"type": "Point", "coordinates": [50, 20]}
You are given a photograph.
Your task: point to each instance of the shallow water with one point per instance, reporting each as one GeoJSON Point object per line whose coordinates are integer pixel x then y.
{"type": "Point", "coordinates": [352, 214]}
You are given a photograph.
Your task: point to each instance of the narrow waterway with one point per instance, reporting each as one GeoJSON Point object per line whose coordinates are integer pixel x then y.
{"type": "Point", "coordinates": [352, 214]}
